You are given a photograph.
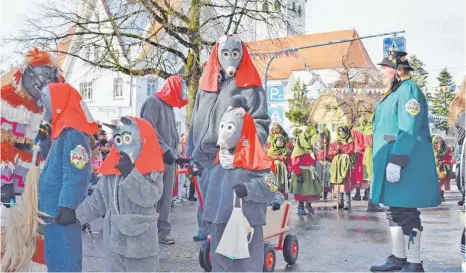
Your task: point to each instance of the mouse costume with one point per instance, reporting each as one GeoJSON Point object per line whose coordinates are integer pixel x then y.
{"type": "Point", "coordinates": [127, 193]}
{"type": "Point", "coordinates": [65, 176]}
{"type": "Point", "coordinates": [158, 110]}
{"type": "Point", "coordinates": [245, 167]}
{"type": "Point", "coordinates": [229, 79]}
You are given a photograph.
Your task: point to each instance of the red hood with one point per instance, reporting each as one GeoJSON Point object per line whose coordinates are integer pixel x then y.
{"type": "Point", "coordinates": [249, 153]}
{"type": "Point", "coordinates": [246, 75]}
{"type": "Point", "coordinates": [150, 158]}
{"type": "Point", "coordinates": [67, 111]}
{"type": "Point", "coordinates": [171, 92]}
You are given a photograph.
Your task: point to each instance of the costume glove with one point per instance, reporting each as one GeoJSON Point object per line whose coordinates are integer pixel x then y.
{"type": "Point", "coordinates": [240, 190]}
{"type": "Point", "coordinates": [275, 206]}
{"type": "Point", "coordinates": [168, 158]}
{"type": "Point", "coordinates": [125, 166]}
{"type": "Point", "coordinates": [393, 173]}
{"type": "Point", "coordinates": [66, 216]}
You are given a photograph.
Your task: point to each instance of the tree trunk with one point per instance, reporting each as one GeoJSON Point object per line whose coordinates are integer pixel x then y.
{"type": "Point", "coordinates": [192, 67]}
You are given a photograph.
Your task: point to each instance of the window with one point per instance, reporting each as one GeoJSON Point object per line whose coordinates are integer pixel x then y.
{"type": "Point", "coordinates": [151, 86]}
{"type": "Point", "coordinates": [265, 7]}
{"type": "Point", "coordinates": [293, 6]}
{"type": "Point", "coordinates": [117, 87]}
{"type": "Point", "coordinates": [278, 6]}
{"type": "Point", "coordinates": [299, 11]}
{"type": "Point", "coordinates": [87, 52]}
{"type": "Point", "coordinates": [85, 88]}
{"type": "Point", "coordinates": [96, 53]}
{"type": "Point", "coordinates": [171, 57]}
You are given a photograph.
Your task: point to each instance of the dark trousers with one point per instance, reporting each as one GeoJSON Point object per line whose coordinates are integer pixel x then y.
{"type": "Point", "coordinates": [460, 180]}
{"type": "Point", "coordinates": [406, 218]}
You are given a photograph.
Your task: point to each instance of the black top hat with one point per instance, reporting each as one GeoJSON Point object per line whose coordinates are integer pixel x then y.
{"type": "Point", "coordinates": [396, 59]}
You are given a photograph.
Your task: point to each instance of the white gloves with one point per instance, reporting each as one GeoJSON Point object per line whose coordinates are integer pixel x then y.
{"type": "Point", "coordinates": [393, 173]}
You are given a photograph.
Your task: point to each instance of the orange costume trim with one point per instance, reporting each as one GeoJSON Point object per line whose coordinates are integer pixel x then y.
{"type": "Point", "coordinates": [149, 160]}
{"type": "Point", "coordinates": [246, 75]}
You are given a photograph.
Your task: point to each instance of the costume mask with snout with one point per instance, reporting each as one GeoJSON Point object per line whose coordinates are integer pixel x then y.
{"type": "Point", "coordinates": [36, 78]}
{"type": "Point", "coordinates": [231, 126]}
{"type": "Point", "coordinates": [127, 138]}
{"type": "Point", "coordinates": [230, 54]}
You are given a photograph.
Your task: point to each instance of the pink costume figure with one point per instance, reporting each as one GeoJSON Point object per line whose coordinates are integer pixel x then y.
{"type": "Point", "coordinates": [357, 175]}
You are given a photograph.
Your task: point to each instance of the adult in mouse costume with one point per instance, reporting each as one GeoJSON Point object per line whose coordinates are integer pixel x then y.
{"type": "Point", "coordinates": [403, 163]}
{"type": "Point", "coordinates": [127, 193]}
{"type": "Point", "coordinates": [158, 110]}
{"type": "Point", "coordinates": [245, 167]}
{"type": "Point", "coordinates": [229, 79]}
{"type": "Point", "coordinates": [65, 176]}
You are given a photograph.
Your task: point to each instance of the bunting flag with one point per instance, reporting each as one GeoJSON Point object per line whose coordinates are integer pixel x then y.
{"type": "Point", "coordinates": [278, 54]}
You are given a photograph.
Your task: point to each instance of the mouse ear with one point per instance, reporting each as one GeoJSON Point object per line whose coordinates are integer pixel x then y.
{"type": "Point", "coordinates": [229, 108]}
{"type": "Point", "coordinates": [111, 126]}
{"type": "Point", "coordinates": [240, 112]}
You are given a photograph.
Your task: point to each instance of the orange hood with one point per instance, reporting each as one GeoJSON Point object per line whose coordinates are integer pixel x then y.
{"type": "Point", "coordinates": [171, 92]}
{"type": "Point", "coordinates": [67, 111]}
{"type": "Point", "coordinates": [150, 158]}
{"type": "Point", "coordinates": [246, 75]}
{"type": "Point", "coordinates": [249, 153]}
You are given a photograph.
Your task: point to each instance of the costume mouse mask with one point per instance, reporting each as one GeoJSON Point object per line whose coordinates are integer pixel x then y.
{"type": "Point", "coordinates": [36, 78]}
{"type": "Point", "coordinates": [230, 53]}
{"type": "Point", "coordinates": [230, 128]}
{"type": "Point", "coordinates": [127, 138]}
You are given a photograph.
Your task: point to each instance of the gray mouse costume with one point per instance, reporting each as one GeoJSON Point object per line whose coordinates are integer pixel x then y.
{"type": "Point", "coordinates": [229, 79]}
{"type": "Point", "coordinates": [244, 166]}
{"type": "Point", "coordinates": [127, 194]}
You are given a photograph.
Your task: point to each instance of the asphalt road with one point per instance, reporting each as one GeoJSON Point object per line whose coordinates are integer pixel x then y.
{"type": "Point", "coordinates": [329, 241]}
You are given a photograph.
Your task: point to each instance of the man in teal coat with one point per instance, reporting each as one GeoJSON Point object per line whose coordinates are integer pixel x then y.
{"type": "Point", "coordinates": [404, 174]}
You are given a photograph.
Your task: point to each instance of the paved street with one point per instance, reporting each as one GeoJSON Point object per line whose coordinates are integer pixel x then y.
{"type": "Point", "coordinates": [329, 241]}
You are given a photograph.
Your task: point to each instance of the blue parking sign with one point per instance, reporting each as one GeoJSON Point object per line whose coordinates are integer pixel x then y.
{"type": "Point", "coordinates": [393, 44]}
{"type": "Point", "coordinates": [276, 93]}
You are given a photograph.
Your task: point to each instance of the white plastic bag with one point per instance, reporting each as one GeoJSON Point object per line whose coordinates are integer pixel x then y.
{"type": "Point", "coordinates": [234, 243]}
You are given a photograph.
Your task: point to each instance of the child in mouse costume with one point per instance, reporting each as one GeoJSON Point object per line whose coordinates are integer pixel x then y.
{"type": "Point", "coordinates": [245, 167]}
{"type": "Point", "coordinates": [130, 186]}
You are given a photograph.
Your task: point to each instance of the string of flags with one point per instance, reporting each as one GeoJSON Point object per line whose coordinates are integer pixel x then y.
{"type": "Point", "coordinates": [436, 118]}
{"type": "Point", "coordinates": [278, 54]}
{"type": "Point", "coordinates": [352, 90]}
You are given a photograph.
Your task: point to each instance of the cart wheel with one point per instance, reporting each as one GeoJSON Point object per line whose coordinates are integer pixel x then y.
{"type": "Point", "coordinates": [290, 249]}
{"type": "Point", "coordinates": [269, 258]}
{"type": "Point", "coordinates": [205, 257]}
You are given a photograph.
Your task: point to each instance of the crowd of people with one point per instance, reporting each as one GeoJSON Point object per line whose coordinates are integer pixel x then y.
{"type": "Point", "coordinates": [388, 158]}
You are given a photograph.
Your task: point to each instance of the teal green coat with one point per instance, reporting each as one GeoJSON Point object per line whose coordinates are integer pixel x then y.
{"type": "Point", "coordinates": [402, 136]}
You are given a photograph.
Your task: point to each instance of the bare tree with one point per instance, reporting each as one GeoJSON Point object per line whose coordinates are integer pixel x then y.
{"type": "Point", "coordinates": [136, 36]}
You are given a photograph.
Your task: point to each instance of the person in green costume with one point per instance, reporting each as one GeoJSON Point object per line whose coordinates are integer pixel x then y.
{"type": "Point", "coordinates": [404, 176]}
{"type": "Point", "coordinates": [321, 152]}
{"type": "Point", "coordinates": [279, 152]}
{"type": "Point", "coordinates": [340, 154]}
{"type": "Point", "coordinates": [367, 162]}
{"type": "Point", "coordinates": [357, 177]}
{"type": "Point", "coordinates": [305, 184]}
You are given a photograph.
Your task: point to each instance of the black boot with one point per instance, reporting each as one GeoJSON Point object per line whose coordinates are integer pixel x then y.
{"type": "Point", "coordinates": [461, 202]}
{"type": "Point", "coordinates": [357, 196]}
{"type": "Point", "coordinates": [192, 190]}
{"type": "Point", "coordinates": [411, 267]}
{"type": "Point", "coordinates": [348, 201]}
{"type": "Point", "coordinates": [366, 195]}
{"type": "Point", "coordinates": [371, 207]}
{"type": "Point", "coordinates": [325, 196]}
{"type": "Point", "coordinates": [392, 264]}
{"type": "Point", "coordinates": [341, 204]}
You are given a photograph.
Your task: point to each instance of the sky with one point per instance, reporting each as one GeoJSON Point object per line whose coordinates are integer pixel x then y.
{"type": "Point", "coordinates": [435, 29]}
